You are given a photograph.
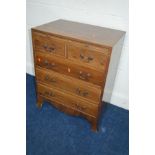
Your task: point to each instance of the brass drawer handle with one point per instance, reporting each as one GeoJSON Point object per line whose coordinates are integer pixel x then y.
{"type": "Point", "coordinates": [81, 108]}
{"type": "Point", "coordinates": [85, 58]}
{"type": "Point", "coordinates": [47, 78]}
{"type": "Point", "coordinates": [49, 49]}
{"type": "Point", "coordinates": [51, 94]}
{"type": "Point", "coordinates": [81, 56]}
{"type": "Point", "coordinates": [45, 47]}
{"type": "Point", "coordinates": [89, 58]}
{"type": "Point", "coordinates": [46, 93]}
{"type": "Point", "coordinates": [81, 93]}
{"type": "Point", "coordinates": [47, 64]}
{"type": "Point", "coordinates": [84, 76]}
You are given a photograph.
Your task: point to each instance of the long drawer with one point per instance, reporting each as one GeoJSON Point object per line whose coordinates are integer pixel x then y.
{"type": "Point", "coordinates": [69, 68]}
{"type": "Point", "coordinates": [75, 86]}
{"type": "Point", "coordinates": [67, 99]}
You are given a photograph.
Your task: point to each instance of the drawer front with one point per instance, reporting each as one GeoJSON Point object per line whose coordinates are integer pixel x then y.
{"type": "Point", "coordinates": [90, 55]}
{"type": "Point", "coordinates": [74, 86]}
{"type": "Point", "coordinates": [49, 44]}
{"type": "Point", "coordinates": [68, 68]}
{"type": "Point", "coordinates": [67, 100]}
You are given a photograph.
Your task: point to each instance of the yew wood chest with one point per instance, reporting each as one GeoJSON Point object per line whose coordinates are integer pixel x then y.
{"type": "Point", "coordinates": [71, 64]}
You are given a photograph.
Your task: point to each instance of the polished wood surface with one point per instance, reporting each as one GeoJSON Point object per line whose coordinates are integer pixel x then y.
{"type": "Point", "coordinates": [49, 44]}
{"type": "Point", "coordinates": [71, 63]}
{"type": "Point", "coordinates": [67, 67]}
{"type": "Point", "coordinates": [91, 56]}
{"type": "Point", "coordinates": [59, 81]}
{"type": "Point", "coordinates": [84, 32]}
{"type": "Point", "coordinates": [67, 99]}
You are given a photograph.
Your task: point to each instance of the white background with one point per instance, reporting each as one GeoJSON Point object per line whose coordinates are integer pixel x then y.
{"type": "Point", "coordinates": [106, 13]}
{"type": "Point", "coordinates": [13, 81]}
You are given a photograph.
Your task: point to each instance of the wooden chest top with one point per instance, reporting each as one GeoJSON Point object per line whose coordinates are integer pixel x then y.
{"type": "Point", "coordinates": [82, 32]}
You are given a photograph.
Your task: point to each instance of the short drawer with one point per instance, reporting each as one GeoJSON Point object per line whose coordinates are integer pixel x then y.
{"type": "Point", "coordinates": [88, 54]}
{"type": "Point", "coordinates": [49, 44]}
{"type": "Point", "coordinates": [69, 68]}
{"type": "Point", "coordinates": [67, 99]}
{"type": "Point", "coordinates": [72, 85]}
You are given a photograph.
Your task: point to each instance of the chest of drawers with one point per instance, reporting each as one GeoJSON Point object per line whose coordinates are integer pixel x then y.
{"type": "Point", "coordinates": [71, 64]}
